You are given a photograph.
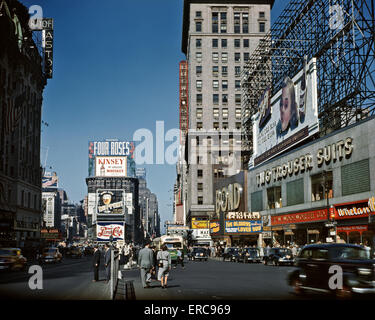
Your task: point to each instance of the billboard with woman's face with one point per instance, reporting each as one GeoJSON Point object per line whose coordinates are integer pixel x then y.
{"type": "Point", "coordinates": [294, 116]}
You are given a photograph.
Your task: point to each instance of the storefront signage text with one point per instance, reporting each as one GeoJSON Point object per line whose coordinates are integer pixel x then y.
{"type": "Point", "coordinates": [304, 163]}
{"type": "Point", "coordinates": [243, 226]}
{"type": "Point", "coordinates": [243, 215]}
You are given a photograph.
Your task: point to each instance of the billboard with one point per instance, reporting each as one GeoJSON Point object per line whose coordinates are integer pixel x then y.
{"type": "Point", "coordinates": [110, 202]}
{"type": "Point", "coordinates": [104, 231]}
{"type": "Point", "coordinates": [243, 227]}
{"type": "Point", "coordinates": [199, 224]}
{"type": "Point", "coordinates": [111, 166]}
{"type": "Point", "coordinates": [109, 148]}
{"type": "Point", "coordinates": [289, 117]}
{"type": "Point", "coordinates": [50, 180]}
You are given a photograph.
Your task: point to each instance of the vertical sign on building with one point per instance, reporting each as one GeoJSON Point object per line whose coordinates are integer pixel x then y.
{"type": "Point", "coordinates": [184, 109]}
{"type": "Point", "coordinates": [47, 45]}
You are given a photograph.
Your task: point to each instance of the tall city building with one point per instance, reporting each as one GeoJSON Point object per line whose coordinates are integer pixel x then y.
{"type": "Point", "coordinates": [218, 38]}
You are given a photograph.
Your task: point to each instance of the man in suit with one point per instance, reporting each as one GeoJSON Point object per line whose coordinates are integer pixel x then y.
{"type": "Point", "coordinates": [107, 262]}
{"type": "Point", "coordinates": [96, 263]}
{"type": "Point", "coordinates": [146, 264]}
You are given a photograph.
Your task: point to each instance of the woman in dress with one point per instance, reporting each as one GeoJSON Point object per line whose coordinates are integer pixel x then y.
{"type": "Point", "coordinates": [164, 262]}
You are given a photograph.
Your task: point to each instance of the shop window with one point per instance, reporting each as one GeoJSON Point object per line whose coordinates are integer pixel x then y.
{"type": "Point", "coordinates": [318, 191]}
{"type": "Point", "coordinates": [274, 198]}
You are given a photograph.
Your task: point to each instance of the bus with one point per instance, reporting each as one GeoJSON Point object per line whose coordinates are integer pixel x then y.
{"type": "Point", "coordinates": [173, 243]}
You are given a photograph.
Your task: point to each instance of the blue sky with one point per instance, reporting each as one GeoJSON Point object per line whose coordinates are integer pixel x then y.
{"type": "Point", "coordinates": [115, 71]}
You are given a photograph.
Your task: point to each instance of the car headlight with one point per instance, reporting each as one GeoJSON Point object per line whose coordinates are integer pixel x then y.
{"type": "Point", "coordinates": [364, 271]}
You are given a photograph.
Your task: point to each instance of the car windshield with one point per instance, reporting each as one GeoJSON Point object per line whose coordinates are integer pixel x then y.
{"type": "Point", "coordinates": [351, 253]}
{"type": "Point", "coordinates": [173, 245]}
{"type": "Point", "coordinates": [199, 250]}
{"type": "Point", "coordinates": [5, 252]}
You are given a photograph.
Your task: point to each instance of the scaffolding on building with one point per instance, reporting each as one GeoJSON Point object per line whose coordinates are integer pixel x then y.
{"type": "Point", "coordinates": [340, 34]}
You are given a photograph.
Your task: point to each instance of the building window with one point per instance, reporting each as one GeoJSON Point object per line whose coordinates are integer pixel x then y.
{"type": "Point", "coordinates": [216, 113]}
{"type": "Point", "coordinates": [237, 71]}
{"type": "Point", "coordinates": [199, 70]}
{"type": "Point", "coordinates": [225, 113]}
{"type": "Point", "coordinates": [224, 98]}
{"type": "Point", "coordinates": [215, 71]}
{"type": "Point", "coordinates": [237, 84]}
{"type": "Point", "coordinates": [215, 43]}
{"type": "Point", "coordinates": [200, 186]}
{"type": "Point", "coordinates": [224, 57]}
{"type": "Point", "coordinates": [198, 26]}
{"type": "Point", "coordinates": [199, 113]}
{"type": "Point", "coordinates": [215, 84]}
{"type": "Point", "coordinates": [224, 43]}
{"type": "Point", "coordinates": [245, 23]}
{"type": "Point", "coordinates": [237, 56]}
{"type": "Point", "coordinates": [198, 43]}
{"type": "Point", "coordinates": [238, 125]}
{"type": "Point", "coordinates": [237, 22]}
{"type": "Point", "coordinates": [274, 198]}
{"type": "Point", "coordinates": [198, 56]}
{"type": "Point", "coordinates": [238, 113]}
{"type": "Point", "coordinates": [262, 15]}
{"type": "Point", "coordinates": [216, 126]}
{"type": "Point", "coordinates": [224, 71]}
{"type": "Point", "coordinates": [223, 28]}
{"type": "Point", "coordinates": [199, 98]}
{"type": "Point", "coordinates": [215, 57]}
{"type": "Point", "coordinates": [262, 27]}
{"type": "Point", "coordinates": [237, 43]}
{"type": "Point", "coordinates": [199, 126]}
{"type": "Point", "coordinates": [225, 126]}
{"type": "Point", "coordinates": [215, 22]}
{"type": "Point", "coordinates": [200, 200]}
{"type": "Point", "coordinates": [215, 98]}
{"type": "Point", "coordinates": [199, 84]}
{"type": "Point", "coordinates": [246, 56]}
{"type": "Point", "coordinates": [318, 189]}
{"type": "Point", "coordinates": [246, 43]}
{"type": "Point", "coordinates": [200, 173]}
{"type": "Point", "coordinates": [224, 84]}
{"type": "Point", "coordinates": [295, 192]}
{"type": "Point", "coordinates": [238, 98]}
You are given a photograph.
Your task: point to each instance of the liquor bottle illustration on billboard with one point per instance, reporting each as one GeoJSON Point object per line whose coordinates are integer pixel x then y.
{"type": "Point", "coordinates": [102, 170]}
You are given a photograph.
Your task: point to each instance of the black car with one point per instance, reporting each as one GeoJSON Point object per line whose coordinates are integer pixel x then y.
{"type": "Point", "coordinates": [279, 256]}
{"type": "Point", "coordinates": [316, 266]}
{"type": "Point", "coordinates": [249, 255]}
{"type": "Point", "coordinates": [198, 253]}
{"type": "Point", "coordinates": [231, 254]}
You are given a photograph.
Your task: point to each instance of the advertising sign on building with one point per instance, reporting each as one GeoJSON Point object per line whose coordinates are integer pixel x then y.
{"type": "Point", "coordinates": [214, 227]}
{"type": "Point", "coordinates": [201, 234]}
{"type": "Point", "coordinates": [110, 202]}
{"type": "Point", "coordinates": [111, 166]}
{"type": "Point", "coordinates": [50, 180]}
{"type": "Point", "coordinates": [128, 199]}
{"type": "Point", "coordinates": [293, 115]}
{"type": "Point", "coordinates": [242, 227]}
{"type": "Point", "coordinates": [109, 148]}
{"type": "Point", "coordinates": [199, 224]}
{"type": "Point", "coordinates": [104, 231]}
{"type": "Point", "coordinates": [140, 173]}
{"type": "Point", "coordinates": [358, 209]}
{"type": "Point", "coordinates": [309, 216]}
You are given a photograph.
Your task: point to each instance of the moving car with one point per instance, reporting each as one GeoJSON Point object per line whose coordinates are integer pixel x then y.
{"type": "Point", "coordinates": [12, 259]}
{"type": "Point", "coordinates": [198, 253]}
{"type": "Point", "coordinates": [317, 264]}
{"type": "Point", "coordinates": [279, 256]}
{"type": "Point", "coordinates": [249, 255]}
{"type": "Point", "coordinates": [230, 254]}
{"type": "Point", "coordinates": [51, 255]}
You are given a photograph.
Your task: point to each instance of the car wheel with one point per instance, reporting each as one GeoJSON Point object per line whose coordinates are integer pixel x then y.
{"type": "Point", "coordinates": [297, 284]}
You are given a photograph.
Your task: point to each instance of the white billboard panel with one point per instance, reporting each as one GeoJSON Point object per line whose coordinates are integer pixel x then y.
{"type": "Point", "coordinates": [291, 117]}
{"type": "Point", "coordinates": [110, 166]}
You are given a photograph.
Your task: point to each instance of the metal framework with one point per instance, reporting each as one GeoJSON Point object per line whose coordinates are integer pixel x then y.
{"type": "Point", "coordinates": [341, 35]}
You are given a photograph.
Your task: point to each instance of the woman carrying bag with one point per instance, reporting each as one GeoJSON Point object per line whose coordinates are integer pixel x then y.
{"type": "Point", "coordinates": [164, 264]}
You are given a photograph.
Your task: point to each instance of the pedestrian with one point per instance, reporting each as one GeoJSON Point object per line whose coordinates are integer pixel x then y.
{"type": "Point", "coordinates": [146, 264]}
{"type": "Point", "coordinates": [153, 271]}
{"type": "Point", "coordinates": [107, 262]}
{"type": "Point", "coordinates": [96, 263]}
{"type": "Point", "coordinates": [180, 258]}
{"type": "Point", "coordinates": [131, 256]}
{"type": "Point", "coordinates": [164, 263]}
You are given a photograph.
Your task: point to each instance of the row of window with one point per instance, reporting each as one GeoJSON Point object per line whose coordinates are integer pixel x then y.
{"type": "Point", "coordinates": [215, 84]}
{"type": "Point", "coordinates": [224, 43]}
{"type": "Point", "coordinates": [216, 98]}
{"type": "Point", "coordinates": [216, 126]}
{"type": "Point", "coordinates": [216, 113]}
{"type": "Point", "coordinates": [224, 57]}
{"type": "Point", "coordinates": [216, 71]}
{"type": "Point", "coordinates": [223, 15]}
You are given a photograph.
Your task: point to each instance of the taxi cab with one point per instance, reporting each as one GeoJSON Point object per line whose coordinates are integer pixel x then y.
{"type": "Point", "coordinates": [12, 259]}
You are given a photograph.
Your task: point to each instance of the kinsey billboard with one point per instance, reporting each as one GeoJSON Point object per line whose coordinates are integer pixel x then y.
{"type": "Point", "coordinates": [110, 202]}
{"type": "Point", "coordinates": [291, 117]}
{"type": "Point", "coordinates": [111, 166]}
{"type": "Point", "coordinates": [109, 148]}
{"type": "Point", "coordinates": [50, 180]}
{"type": "Point", "coordinates": [104, 231]}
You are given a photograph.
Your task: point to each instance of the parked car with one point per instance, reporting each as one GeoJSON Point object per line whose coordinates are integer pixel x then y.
{"type": "Point", "coordinates": [198, 253]}
{"type": "Point", "coordinates": [12, 259]}
{"type": "Point", "coordinates": [279, 256]}
{"type": "Point", "coordinates": [51, 255]}
{"type": "Point", "coordinates": [230, 254]}
{"type": "Point", "coordinates": [313, 272]}
{"type": "Point", "coordinates": [249, 255]}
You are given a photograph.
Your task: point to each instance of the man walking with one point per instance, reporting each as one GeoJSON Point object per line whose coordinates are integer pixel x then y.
{"type": "Point", "coordinates": [96, 263]}
{"type": "Point", "coordinates": [107, 262]}
{"type": "Point", "coordinates": [146, 264]}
